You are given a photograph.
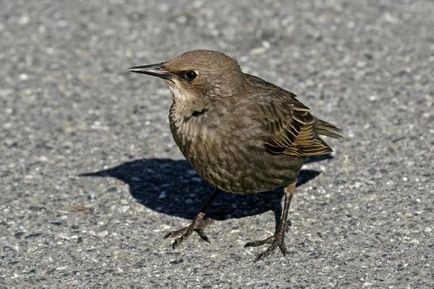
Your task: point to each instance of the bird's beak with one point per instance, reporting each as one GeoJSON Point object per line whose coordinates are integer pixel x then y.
{"type": "Point", "coordinates": [157, 70]}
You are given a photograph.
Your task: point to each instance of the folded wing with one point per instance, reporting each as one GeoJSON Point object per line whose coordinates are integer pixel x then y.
{"type": "Point", "coordinates": [292, 128]}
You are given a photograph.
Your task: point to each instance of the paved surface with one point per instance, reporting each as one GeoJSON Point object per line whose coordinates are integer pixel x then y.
{"type": "Point", "coordinates": [361, 219]}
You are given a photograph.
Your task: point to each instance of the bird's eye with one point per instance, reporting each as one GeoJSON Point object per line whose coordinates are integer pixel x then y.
{"type": "Point", "coordinates": [190, 75]}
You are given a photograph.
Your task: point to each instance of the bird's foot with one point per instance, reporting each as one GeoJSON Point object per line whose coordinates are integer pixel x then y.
{"type": "Point", "coordinates": [197, 225]}
{"type": "Point", "coordinates": [275, 241]}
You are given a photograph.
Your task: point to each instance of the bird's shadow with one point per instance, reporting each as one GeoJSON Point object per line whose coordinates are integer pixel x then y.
{"type": "Point", "coordinates": [172, 187]}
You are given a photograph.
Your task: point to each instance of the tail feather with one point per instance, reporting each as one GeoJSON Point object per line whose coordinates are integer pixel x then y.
{"type": "Point", "coordinates": [324, 128]}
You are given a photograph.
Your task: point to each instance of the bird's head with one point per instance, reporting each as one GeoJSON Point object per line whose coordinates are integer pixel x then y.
{"type": "Point", "coordinates": [198, 76]}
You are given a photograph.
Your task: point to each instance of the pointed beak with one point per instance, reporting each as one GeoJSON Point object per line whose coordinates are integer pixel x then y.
{"type": "Point", "coordinates": [157, 70]}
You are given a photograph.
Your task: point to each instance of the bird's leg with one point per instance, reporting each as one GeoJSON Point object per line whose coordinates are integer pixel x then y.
{"type": "Point", "coordinates": [197, 225]}
{"type": "Point", "coordinates": [278, 239]}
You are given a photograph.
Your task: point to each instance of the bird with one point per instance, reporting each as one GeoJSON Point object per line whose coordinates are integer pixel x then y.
{"type": "Point", "coordinates": [242, 134]}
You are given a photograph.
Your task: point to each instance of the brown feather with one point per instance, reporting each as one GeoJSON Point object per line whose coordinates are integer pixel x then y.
{"type": "Point", "coordinates": [292, 129]}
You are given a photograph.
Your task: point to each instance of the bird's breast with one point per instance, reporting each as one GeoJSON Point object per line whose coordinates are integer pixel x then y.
{"type": "Point", "coordinates": [228, 155]}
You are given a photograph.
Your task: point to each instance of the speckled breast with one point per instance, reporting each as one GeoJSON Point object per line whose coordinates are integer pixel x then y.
{"type": "Point", "coordinates": [231, 162]}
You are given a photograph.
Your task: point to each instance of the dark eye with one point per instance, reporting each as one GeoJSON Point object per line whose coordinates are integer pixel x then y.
{"type": "Point", "coordinates": [190, 75]}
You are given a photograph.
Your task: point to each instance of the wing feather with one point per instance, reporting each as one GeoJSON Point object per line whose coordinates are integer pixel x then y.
{"type": "Point", "coordinates": [292, 130]}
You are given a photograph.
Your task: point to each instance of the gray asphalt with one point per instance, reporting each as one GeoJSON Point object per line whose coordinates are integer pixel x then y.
{"type": "Point", "coordinates": [362, 219]}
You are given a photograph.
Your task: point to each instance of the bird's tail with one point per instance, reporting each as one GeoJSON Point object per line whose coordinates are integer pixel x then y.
{"type": "Point", "coordinates": [324, 128]}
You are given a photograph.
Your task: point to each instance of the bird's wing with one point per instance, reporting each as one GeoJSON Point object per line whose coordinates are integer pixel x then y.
{"type": "Point", "coordinates": [292, 130]}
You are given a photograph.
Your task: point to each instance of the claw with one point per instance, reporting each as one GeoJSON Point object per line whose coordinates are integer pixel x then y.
{"type": "Point", "coordinates": [257, 243]}
{"type": "Point", "coordinates": [283, 249]}
{"type": "Point", "coordinates": [175, 233]}
{"type": "Point", "coordinates": [262, 255]}
{"type": "Point", "coordinates": [175, 244]}
{"type": "Point", "coordinates": [202, 235]}
{"type": "Point", "coordinates": [182, 234]}
{"type": "Point", "coordinates": [277, 240]}
{"type": "Point", "coordinates": [199, 222]}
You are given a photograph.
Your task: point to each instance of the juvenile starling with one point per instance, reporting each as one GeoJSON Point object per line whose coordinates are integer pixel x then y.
{"type": "Point", "coordinates": [242, 134]}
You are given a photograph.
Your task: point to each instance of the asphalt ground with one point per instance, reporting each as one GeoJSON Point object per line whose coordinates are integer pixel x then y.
{"type": "Point", "coordinates": [361, 219]}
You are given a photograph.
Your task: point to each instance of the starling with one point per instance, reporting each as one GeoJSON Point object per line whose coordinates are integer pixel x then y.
{"type": "Point", "coordinates": [242, 134]}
